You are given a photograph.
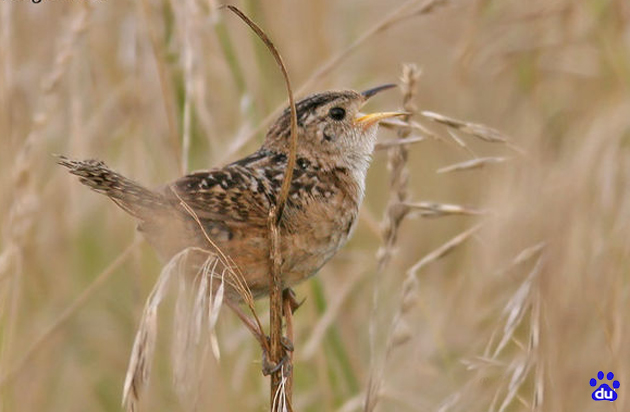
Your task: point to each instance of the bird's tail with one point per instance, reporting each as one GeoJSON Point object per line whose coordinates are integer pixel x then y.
{"type": "Point", "coordinates": [135, 199]}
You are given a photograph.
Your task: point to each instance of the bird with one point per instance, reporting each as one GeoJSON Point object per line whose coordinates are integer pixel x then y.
{"type": "Point", "coordinates": [226, 208]}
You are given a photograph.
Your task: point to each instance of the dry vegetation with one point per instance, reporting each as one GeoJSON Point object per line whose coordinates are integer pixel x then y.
{"type": "Point", "coordinates": [490, 271]}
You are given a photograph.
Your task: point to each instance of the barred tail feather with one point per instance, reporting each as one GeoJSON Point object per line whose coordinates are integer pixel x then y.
{"type": "Point", "coordinates": [135, 199]}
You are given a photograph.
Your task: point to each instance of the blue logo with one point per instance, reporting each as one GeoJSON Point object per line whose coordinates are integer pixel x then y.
{"type": "Point", "coordinates": [604, 392]}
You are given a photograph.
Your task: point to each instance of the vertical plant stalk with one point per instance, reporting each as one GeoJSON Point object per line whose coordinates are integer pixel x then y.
{"type": "Point", "coordinates": [6, 75]}
{"type": "Point", "coordinates": [281, 380]}
{"type": "Point", "coordinates": [231, 58]}
{"type": "Point", "coordinates": [394, 214]}
{"type": "Point", "coordinates": [399, 175]}
{"type": "Point", "coordinates": [287, 310]}
{"type": "Point", "coordinates": [188, 83]}
{"type": "Point", "coordinates": [165, 85]}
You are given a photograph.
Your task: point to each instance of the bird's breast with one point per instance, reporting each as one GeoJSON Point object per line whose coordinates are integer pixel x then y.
{"type": "Point", "coordinates": [315, 230]}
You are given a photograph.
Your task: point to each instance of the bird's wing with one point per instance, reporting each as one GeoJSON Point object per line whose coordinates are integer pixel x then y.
{"type": "Point", "coordinates": [224, 199]}
{"type": "Point", "coordinates": [240, 194]}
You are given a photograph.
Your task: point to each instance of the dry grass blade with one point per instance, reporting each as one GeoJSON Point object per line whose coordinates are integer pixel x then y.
{"type": "Point", "coordinates": [472, 164]}
{"type": "Point", "coordinates": [139, 368]}
{"type": "Point", "coordinates": [352, 404]}
{"type": "Point", "coordinates": [401, 332]}
{"type": "Point", "coordinates": [534, 339]}
{"type": "Point", "coordinates": [279, 384]}
{"type": "Point", "coordinates": [450, 402]}
{"type": "Point", "coordinates": [398, 142]}
{"type": "Point", "coordinates": [236, 278]}
{"type": "Point", "coordinates": [527, 253]}
{"type": "Point", "coordinates": [457, 139]}
{"type": "Point", "coordinates": [195, 313]}
{"type": "Point", "coordinates": [444, 249]}
{"type": "Point", "coordinates": [517, 306]}
{"type": "Point", "coordinates": [481, 362]}
{"type": "Point", "coordinates": [194, 308]}
{"type": "Point", "coordinates": [5, 261]}
{"type": "Point", "coordinates": [481, 131]}
{"type": "Point", "coordinates": [431, 209]}
{"type": "Point", "coordinates": [519, 373]}
{"type": "Point", "coordinates": [188, 86]}
{"type": "Point", "coordinates": [279, 400]}
{"type": "Point", "coordinates": [395, 123]}
{"type": "Point", "coordinates": [539, 388]}
{"type": "Point", "coordinates": [523, 256]}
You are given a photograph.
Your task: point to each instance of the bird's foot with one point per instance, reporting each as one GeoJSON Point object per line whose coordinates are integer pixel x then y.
{"type": "Point", "coordinates": [289, 295]}
{"type": "Point", "coordinates": [269, 367]}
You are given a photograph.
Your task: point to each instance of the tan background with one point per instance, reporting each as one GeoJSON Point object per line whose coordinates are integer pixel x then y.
{"type": "Point", "coordinates": [109, 79]}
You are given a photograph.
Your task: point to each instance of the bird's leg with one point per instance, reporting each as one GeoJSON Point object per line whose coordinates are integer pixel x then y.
{"type": "Point", "coordinates": [267, 367]}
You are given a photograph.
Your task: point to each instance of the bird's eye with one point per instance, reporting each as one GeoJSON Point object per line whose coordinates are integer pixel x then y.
{"type": "Point", "coordinates": [337, 113]}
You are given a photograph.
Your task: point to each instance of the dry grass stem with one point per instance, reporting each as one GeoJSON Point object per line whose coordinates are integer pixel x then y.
{"type": "Point", "coordinates": [196, 312]}
{"type": "Point", "coordinates": [393, 143]}
{"type": "Point", "coordinates": [393, 217]}
{"type": "Point", "coordinates": [517, 307]}
{"type": "Point", "coordinates": [481, 131]}
{"type": "Point", "coordinates": [236, 278]}
{"type": "Point", "coordinates": [524, 256]}
{"type": "Point", "coordinates": [353, 404]}
{"type": "Point", "coordinates": [187, 63]}
{"type": "Point", "coordinates": [281, 390]}
{"type": "Point", "coordinates": [477, 163]}
{"type": "Point", "coordinates": [165, 85]}
{"type": "Point", "coordinates": [396, 124]}
{"type": "Point", "coordinates": [523, 306]}
{"type": "Point", "coordinates": [443, 250]}
{"type": "Point", "coordinates": [400, 332]}
{"type": "Point", "coordinates": [195, 307]}
{"type": "Point", "coordinates": [138, 371]}
{"type": "Point", "coordinates": [431, 209]}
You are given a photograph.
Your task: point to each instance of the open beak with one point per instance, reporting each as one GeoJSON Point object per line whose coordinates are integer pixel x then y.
{"type": "Point", "coordinates": [367, 120]}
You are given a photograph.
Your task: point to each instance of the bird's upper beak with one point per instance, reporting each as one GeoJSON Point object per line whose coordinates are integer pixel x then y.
{"type": "Point", "coordinates": [371, 92]}
{"type": "Point", "coordinates": [367, 120]}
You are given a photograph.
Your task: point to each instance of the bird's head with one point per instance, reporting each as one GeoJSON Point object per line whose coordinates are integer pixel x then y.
{"type": "Point", "coordinates": [331, 129]}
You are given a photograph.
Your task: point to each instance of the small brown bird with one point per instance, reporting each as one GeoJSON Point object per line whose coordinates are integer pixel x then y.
{"type": "Point", "coordinates": [230, 205]}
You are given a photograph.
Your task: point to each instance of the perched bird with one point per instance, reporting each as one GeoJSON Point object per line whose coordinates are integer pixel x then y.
{"type": "Point", "coordinates": [228, 207]}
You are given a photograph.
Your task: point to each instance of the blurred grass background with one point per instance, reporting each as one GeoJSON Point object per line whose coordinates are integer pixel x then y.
{"type": "Point", "coordinates": [518, 317]}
